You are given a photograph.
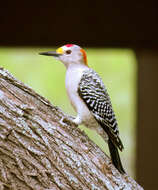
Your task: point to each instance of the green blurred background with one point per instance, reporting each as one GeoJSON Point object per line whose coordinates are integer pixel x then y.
{"type": "Point", "coordinates": [118, 69]}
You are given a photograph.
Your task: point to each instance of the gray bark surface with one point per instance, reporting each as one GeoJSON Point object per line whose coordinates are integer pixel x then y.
{"type": "Point", "coordinates": [40, 148]}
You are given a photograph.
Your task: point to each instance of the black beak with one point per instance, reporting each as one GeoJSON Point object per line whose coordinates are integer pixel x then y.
{"type": "Point", "coordinates": [50, 53]}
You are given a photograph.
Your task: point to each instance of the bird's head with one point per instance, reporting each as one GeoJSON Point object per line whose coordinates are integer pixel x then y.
{"type": "Point", "coordinates": [69, 54]}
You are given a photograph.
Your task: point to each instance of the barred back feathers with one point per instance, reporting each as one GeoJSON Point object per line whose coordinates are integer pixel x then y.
{"type": "Point", "coordinates": [93, 91]}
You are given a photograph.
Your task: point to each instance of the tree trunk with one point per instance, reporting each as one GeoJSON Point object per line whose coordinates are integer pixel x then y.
{"type": "Point", "coordinates": [41, 149]}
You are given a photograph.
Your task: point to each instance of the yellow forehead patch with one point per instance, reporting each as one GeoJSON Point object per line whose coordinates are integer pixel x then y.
{"type": "Point", "coordinates": [60, 50]}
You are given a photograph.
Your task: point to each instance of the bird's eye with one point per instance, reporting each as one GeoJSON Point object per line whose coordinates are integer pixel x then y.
{"type": "Point", "coordinates": [68, 51]}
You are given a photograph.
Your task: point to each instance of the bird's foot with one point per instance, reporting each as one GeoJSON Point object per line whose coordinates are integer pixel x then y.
{"type": "Point", "coordinates": [77, 121]}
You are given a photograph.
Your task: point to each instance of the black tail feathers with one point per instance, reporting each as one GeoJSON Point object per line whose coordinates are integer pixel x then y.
{"type": "Point", "coordinates": [115, 157]}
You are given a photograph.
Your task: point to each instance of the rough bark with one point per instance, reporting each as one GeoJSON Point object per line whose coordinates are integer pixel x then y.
{"type": "Point", "coordinates": [41, 149]}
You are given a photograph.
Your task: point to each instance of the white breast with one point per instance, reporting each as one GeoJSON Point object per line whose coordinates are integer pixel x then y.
{"type": "Point", "coordinates": [73, 77]}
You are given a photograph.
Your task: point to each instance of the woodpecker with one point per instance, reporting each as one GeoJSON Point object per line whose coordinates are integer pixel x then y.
{"type": "Point", "coordinates": [88, 96]}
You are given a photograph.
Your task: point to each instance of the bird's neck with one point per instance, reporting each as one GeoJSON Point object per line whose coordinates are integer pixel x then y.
{"type": "Point", "coordinates": [76, 66]}
{"type": "Point", "coordinates": [75, 71]}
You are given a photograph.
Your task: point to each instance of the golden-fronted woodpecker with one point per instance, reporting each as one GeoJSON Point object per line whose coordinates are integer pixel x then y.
{"type": "Point", "coordinates": [88, 96]}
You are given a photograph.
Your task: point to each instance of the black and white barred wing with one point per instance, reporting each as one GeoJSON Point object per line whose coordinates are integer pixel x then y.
{"type": "Point", "coordinates": [93, 92]}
